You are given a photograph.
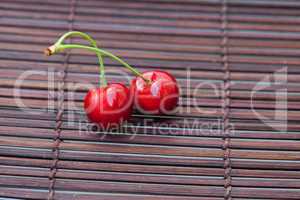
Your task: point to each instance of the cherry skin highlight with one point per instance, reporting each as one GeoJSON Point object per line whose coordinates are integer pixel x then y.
{"type": "Point", "coordinates": [108, 106]}
{"type": "Point", "coordinates": [159, 96]}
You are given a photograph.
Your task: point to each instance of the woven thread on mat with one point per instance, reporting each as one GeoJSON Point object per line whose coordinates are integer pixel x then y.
{"type": "Point", "coordinates": [60, 99]}
{"type": "Point", "coordinates": [226, 104]}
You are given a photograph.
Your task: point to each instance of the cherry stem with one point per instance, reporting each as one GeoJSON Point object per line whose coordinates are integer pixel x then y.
{"type": "Point", "coordinates": [60, 47]}
{"type": "Point", "coordinates": [85, 36]}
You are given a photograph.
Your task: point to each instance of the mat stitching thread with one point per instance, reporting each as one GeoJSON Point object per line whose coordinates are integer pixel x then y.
{"type": "Point", "coordinates": [60, 99]}
{"type": "Point", "coordinates": [226, 104]}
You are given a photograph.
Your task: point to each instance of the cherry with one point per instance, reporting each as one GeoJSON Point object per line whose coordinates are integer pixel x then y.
{"type": "Point", "coordinates": [108, 106]}
{"type": "Point", "coordinates": [156, 92]}
{"type": "Point", "coordinates": [159, 96]}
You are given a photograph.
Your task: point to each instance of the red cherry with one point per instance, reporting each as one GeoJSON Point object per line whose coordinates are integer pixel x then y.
{"type": "Point", "coordinates": [160, 96]}
{"type": "Point", "coordinates": [108, 106]}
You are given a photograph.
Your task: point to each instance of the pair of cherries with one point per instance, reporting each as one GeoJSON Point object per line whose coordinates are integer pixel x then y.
{"type": "Point", "coordinates": [151, 92]}
{"type": "Point", "coordinates": [112, 104]}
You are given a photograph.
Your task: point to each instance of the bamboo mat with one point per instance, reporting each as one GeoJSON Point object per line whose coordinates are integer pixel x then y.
{"type": "Point", "coordinates": [236, 135]}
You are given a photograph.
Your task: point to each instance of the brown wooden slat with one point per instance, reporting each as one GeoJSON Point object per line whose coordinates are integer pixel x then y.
{"type": "Point", "coordinates": [266, 173]}
{"type": "Point", "coordinates": [26, 132]}
{"type": "Point", "coordinates": [264, 165]}
{"type": "Point", "coordinates": [265, 183]}
{"type": "Point", "coordinates": [21, 193]}
{"type": "Point", "coordinates": [30, 162]}
{"type": "Point", "coordinates": [140, 188]}
{"type": "Point", "coordinates": [41, 183]}
{"type": "Point", "coordinates": [26, 152]}
{"type": "Point", "coordinates": [266, 193]}
{"type": "Point", "coordinates": [183, 162]}
{"type": "Point", "coordinates": [258, 154]}
{"type": "Point", "coordinates": [142, 159]}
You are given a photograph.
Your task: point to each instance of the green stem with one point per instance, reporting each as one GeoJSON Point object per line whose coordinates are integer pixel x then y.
{"type": "Point", "coordinates": [95, 50]}
{"type": "Point", "coordinates": [85, 36]}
